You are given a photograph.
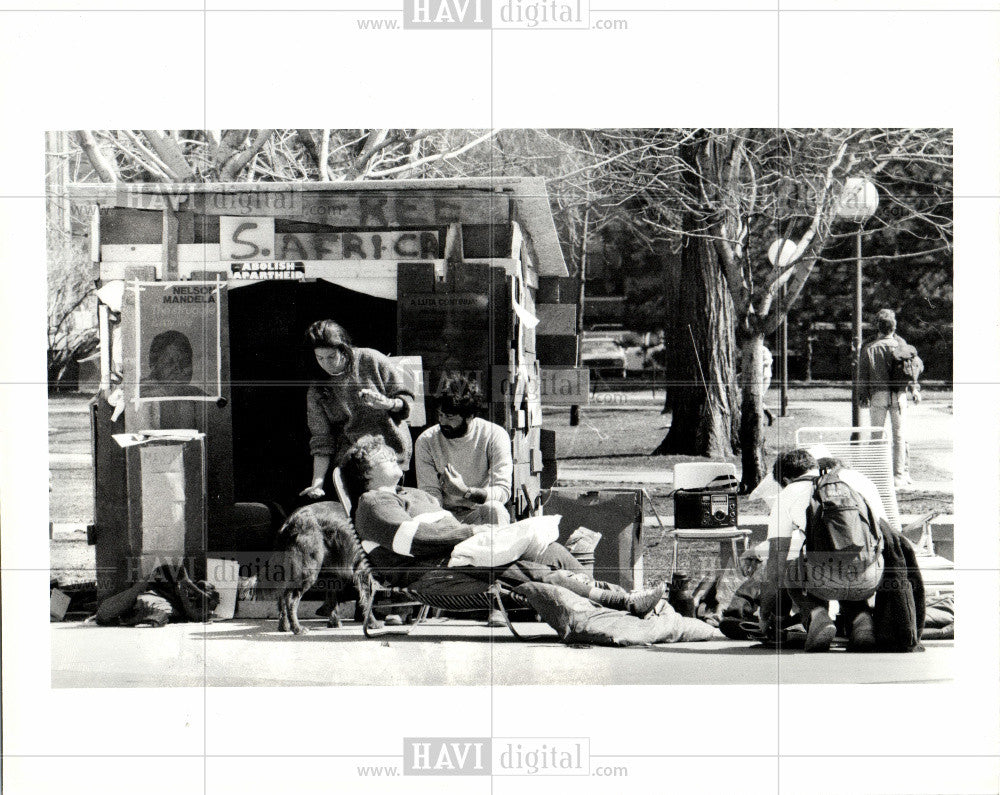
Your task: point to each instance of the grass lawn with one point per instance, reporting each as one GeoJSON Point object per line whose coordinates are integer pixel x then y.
{"type": "Point", "coordinates": [616, 439]}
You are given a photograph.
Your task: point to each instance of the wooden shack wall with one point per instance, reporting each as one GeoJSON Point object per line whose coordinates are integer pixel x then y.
{"type": "Point", "coordinates": [484, 334]}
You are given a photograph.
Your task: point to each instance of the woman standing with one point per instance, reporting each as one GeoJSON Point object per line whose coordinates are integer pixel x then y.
{"type": "Point", "coordinates": [363, 394]}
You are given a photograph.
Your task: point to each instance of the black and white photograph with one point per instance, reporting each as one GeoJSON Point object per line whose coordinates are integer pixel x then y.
{"type": "Point", "coordinates": [665, 400]}
{"type": "Point", "coordinates": [533, 442]}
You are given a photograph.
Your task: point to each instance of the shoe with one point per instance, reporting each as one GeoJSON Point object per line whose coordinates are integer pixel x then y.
{"type": "Point", "coordinates": [642, 603]}
{"type": "Point", "coordinates": [732, 627]}
{"type": "Point", "coordinates": [496, 619]}
{"type": "Point", "coordinates": [902, 481]}
{"type": "Point", "coordinates": [392, 620]}
{"type": "Point", "coordinates": [821, 630]}
{"type": "Point", "coordinates": [862, 633]}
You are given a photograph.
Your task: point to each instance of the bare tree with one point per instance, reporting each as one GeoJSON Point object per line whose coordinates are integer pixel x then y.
{"type": "Point", "coordinates": [718, 196]}
{"type": "Point", "coordinates": [723, 197]}
{"type": "Point", "coordinates": [271, 155]}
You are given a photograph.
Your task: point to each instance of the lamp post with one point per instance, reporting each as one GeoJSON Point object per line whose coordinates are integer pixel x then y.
{"type": "Point", "coordinates": [780, 254]}
{"type": "Point", "coordinates": [858, 202]}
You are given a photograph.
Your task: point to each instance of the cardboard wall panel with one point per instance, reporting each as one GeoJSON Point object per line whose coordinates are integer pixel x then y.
{"type": "Point", "coordinates": [556, 350]}
{"type": "Point", "coordinates": [556, 319]}
{"type": "Point", "coordinates": [558, 290]}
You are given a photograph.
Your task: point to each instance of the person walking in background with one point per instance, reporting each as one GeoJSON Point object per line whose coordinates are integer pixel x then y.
{"type": "Point", "coordinates": [881, 389]}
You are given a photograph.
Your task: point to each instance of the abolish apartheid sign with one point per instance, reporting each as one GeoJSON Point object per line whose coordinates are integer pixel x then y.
{"type": "Point", "coordinates": [262, 271]}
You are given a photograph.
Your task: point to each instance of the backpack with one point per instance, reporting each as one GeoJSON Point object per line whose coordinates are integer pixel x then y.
{"type": "Point", "coordinates": [905, 366]}
{"type": "Point", "coordinates": [839, 523]}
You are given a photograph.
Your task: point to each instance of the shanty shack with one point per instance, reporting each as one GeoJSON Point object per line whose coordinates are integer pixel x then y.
{"type": "Point", "coordinates": [440, 274]}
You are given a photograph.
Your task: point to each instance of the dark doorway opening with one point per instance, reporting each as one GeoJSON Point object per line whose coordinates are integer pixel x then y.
{"type": "Point", "coordinates": [271, 367]}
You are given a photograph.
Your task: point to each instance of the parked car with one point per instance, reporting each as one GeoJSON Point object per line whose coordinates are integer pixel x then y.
{"type": "Point", "coordinates": [612, 352]}
{"type": "Point", "coordinates": [603, 355]}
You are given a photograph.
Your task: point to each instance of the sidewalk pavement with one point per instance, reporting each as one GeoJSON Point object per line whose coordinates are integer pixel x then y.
{"type": "Point", "coordinates": [570, 474]}
{"type": "Point", "coordinates": [250, 652]}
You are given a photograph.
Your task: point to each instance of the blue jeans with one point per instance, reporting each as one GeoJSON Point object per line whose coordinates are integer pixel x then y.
{"type": "Point", "coordinates": [893, 404]}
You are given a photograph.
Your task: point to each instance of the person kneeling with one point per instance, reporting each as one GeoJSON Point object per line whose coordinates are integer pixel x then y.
{"type": "Point", "coordinates": [824, 543]}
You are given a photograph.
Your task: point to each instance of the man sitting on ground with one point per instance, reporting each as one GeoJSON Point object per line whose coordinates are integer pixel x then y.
{"type": "Point", "coordinates": [850, 577]}
{"type": "Point", "coordinates": [464, 461]}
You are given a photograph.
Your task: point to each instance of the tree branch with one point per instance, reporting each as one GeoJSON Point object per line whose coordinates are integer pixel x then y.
{"type": "Point", "coordinates": [324, 156]}
{"type": "Point", "coordinates": [102, 166]}
{"type": "Point", "coordinates": [439, 157]}
{"type": "Point", "coordinates": [235, 164]}
{"type": "Point", "coordinates": [170, 153]}
{"type": "Point", "coordinates": [309, 144]}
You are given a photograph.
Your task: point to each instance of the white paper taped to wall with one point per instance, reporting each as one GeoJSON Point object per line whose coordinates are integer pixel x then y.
{"type": "Point", "coordinates": [527, 318]}
{"type": "Point", "coordinates": [163, 502]}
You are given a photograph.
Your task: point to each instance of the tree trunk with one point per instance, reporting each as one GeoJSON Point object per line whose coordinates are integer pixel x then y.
{"type": "Point", "coordinates": [752, 412]}
{"type": "Point", "coordinates": [700, 354]}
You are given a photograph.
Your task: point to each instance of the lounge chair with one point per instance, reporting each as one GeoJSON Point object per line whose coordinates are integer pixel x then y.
{"type": "Point", "coordinates": [444, 589]}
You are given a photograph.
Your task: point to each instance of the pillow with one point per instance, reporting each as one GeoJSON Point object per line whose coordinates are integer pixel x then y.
{"type": "Point", "coordinates": [498, 546]}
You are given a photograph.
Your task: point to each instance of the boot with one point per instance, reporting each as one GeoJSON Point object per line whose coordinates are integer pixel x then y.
{"type": "Point", "coordinates": [821, 630]}
{"type": "Point", "coordinates": [862, 633]}
{"type": "Point", "coordinates": [641, 603]}
{"type": "Point", "coordinates": [638, 603]}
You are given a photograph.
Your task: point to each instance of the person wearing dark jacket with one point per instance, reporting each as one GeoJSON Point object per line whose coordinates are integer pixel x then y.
{"type": "Point", "coordinates": [880, 395]}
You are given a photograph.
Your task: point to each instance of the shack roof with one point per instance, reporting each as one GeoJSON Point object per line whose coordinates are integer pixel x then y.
{"type": "Point", "coordinates": [529, 196]}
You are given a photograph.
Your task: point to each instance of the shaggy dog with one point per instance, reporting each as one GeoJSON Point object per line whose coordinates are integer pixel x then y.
{"type": "Point", "coordinates": [319, 537]}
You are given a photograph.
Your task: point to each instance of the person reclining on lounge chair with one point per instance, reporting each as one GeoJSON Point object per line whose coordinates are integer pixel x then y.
{"type": "Point", "coordinates": [406, 532]}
